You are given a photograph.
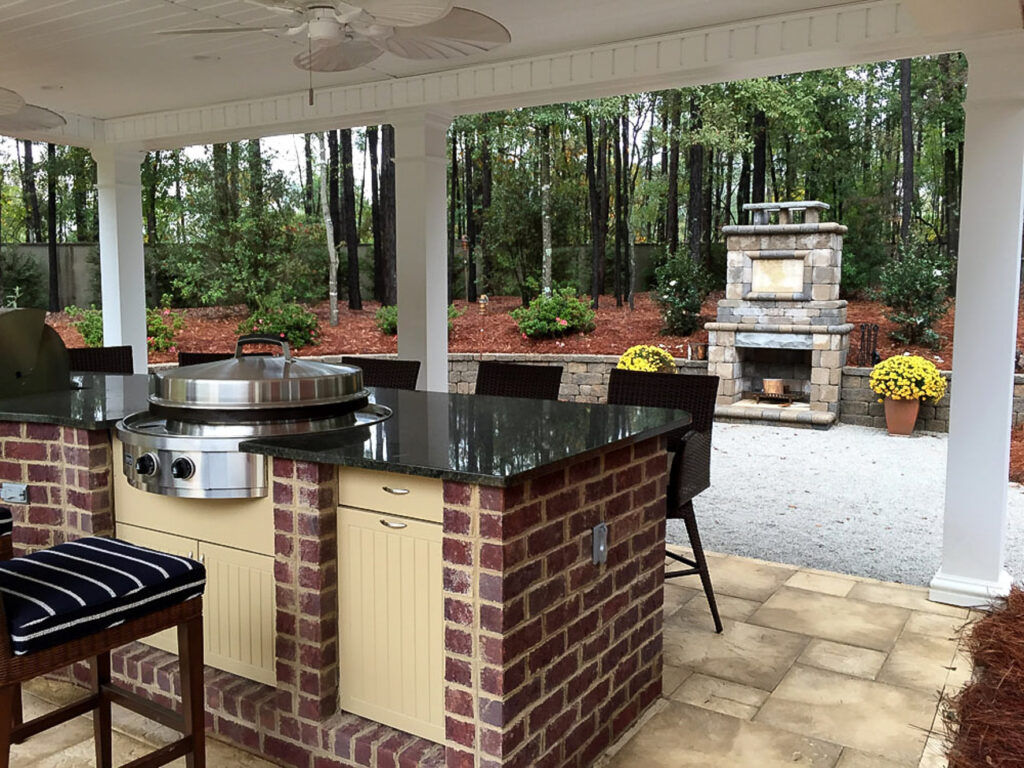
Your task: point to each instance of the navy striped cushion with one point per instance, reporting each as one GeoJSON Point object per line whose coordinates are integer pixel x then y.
{"type": "Point", "coordinates": [82, 587]}
{"type": "Point", "coordinates": [6, 522]}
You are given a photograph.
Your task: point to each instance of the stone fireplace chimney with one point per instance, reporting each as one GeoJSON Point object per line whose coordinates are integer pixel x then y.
{"type": "Point", "coordinates": [781, 318]}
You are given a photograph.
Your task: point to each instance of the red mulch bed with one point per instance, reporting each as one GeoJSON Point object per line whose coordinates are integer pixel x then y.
{"type": "Point", "coordinates": [212, 329]}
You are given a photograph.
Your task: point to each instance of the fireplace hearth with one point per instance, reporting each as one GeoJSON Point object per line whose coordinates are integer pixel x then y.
{"type": "Point", "coordinates": [781, 318]}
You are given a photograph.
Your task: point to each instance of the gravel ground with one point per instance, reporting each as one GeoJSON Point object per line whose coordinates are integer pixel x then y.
{"type": "Point", "coordinates": [848, 499]}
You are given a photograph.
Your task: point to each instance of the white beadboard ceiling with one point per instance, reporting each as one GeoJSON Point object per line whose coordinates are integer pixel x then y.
{"type": "Point", "coordinates": [102, 58]}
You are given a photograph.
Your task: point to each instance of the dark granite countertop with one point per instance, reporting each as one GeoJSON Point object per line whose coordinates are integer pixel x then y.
{"type": "Point", "coordinates": [473, 438]}
{"type": "Point", "coordinates": [98, 402]}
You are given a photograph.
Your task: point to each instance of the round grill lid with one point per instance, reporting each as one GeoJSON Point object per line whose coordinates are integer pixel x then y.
{"type": "Point", "coordinates": [258, 383]}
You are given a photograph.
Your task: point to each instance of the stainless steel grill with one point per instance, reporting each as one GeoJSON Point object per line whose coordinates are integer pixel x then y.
{"type": "Point", "coordinates": [186, 444]}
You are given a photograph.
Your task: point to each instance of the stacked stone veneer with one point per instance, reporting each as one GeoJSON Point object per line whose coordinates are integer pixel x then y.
{"type": "Point", "coordinates": [782, 293]}
{"type": "Point", "coordinates": [68, 471]}
{"type": "Point", "coordinates": [549, 658]}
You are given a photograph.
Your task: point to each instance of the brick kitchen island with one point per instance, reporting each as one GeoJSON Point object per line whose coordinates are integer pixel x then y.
{"type": "Point", "coordinates": [545, 658]}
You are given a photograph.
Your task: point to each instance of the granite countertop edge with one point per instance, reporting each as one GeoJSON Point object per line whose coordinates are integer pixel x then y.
{"type": "Point", "coordinates": [269, 447]}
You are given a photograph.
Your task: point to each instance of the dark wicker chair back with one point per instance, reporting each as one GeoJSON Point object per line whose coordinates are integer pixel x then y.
{"type": "Point", "coordinates": [101, 359]}
{"type": "Point", "coordinates": [690, 472]}
{"type": "Point", "coordinates": [386, 372]}
{"type": "Point", "coordinates": [540, 382]}
{"type": "Point", "coordinates": [196, 358]}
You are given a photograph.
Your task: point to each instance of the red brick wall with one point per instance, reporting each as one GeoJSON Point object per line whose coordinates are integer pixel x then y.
{"type": "Point", "coordinates": [68, 471]}
{"type": "Point", "coordinates": [549, 657]}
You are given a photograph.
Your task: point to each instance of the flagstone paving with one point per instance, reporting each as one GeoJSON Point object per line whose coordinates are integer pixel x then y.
{"type": "Point", "coordinates": [813, 669]}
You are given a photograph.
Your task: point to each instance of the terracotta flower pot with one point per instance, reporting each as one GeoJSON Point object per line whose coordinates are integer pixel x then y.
{"type": "Point", "coordinates": [900, 415]}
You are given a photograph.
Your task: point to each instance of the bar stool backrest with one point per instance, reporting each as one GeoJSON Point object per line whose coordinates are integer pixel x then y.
{"type": "Point", "coordinates": [540, 382]}
{"type": "Point", "coordinates": [101, 359]}
{"type": "Point", "coordinates": [386, 372]}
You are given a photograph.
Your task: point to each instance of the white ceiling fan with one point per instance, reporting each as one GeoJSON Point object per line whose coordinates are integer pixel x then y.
{"type": "Point", "coordinates": [16, 115]}
{"type": "Point", "coordinates": [342, 36]}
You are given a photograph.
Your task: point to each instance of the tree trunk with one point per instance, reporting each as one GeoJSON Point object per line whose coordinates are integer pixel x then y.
{"type": "Point", "coordinates": [453, 200]}
{"type": "Point", "coordinates": [256, 196]}
{"type": "Point", "coordinates": [33, 219]}
{"type": "Point", "coordinates": [544, 140]}
{"type": "Point", "coordinates": [332, 249]}
{"type": "Point", "coordinates": [51, 225]}
{"type": "Point", "coordinates": [597, 184]}
{"type": "Point", "coordinates": [627, 194]}
{"type": "Point", "coordinates": [662, 224]}
{"type": "Point", "coordinates": [379, 267]}
{"type": "Point", "coordinates": [486, 178]}
{"type": "Point", "coordinates": [907, 129]}
{"type": "Point", "coordinates": [221, 189]}
{"type": "Point", "coordinates": [234, 163]}
{"type": "Point", "coordinates": [695, 203]}
{"type": "Point", "coordinates": [333, 186]}
{"type": "Point", "coordinates": [672, 196]}
{"type": "Point", "coordinates": [355, 299]}
{"type": "Point", "coordinates": [177, 196]}
{"type": "Point", "coordinates": [83, 179]}
{"type": "Point", "coordinates": [471, 222]}
{"type": "Point", "coordinates": [760, 156]}
{"type": "Point", "coordinates": [309, 196]}
{"type": "Point", "coordinates": [150, 181]}
{"type": "Point", "coordinates": [617, 144]}
{"type": "Point", "coordinates": [743, 193]}
{"type": "Point", "coordinates": [388, 213]}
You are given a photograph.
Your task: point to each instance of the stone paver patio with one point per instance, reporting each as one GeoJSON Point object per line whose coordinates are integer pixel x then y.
{"type": "Point", "coordinates": [813, 669]}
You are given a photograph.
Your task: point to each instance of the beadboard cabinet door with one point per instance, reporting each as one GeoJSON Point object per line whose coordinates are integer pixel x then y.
{"type": "Point", "coordinates": [391, 620]}
{"type": "Point", "coordinates": [238, 604]}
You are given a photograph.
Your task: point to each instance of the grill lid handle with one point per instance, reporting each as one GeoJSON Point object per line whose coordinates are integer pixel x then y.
{"type": "Point", "coordinates": [256, 338]}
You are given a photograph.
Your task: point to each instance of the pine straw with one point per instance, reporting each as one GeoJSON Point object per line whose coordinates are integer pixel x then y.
{"type": "Point", "coordinates": [985, 721]}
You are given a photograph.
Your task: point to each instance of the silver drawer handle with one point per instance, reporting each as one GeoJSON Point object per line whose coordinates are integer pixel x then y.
{"type": "Point", "coordinates": [395, 491]}
{"type": "Point", "coordinates": [389, 524]}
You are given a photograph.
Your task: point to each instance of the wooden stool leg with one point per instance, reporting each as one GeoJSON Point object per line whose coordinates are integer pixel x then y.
{"type": "Point", "coordinates": [690, 519]}
{"type": "Point", "coordinates": [193, 704]}
{"type": "Point", "coordinates": [17, 717]}
{"type": "Point", "coordinates": [100, 668]}
{"type": "Point", "coordinates": [7, 694]}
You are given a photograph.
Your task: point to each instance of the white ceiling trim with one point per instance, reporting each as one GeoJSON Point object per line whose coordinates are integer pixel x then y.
{"type": "Point", "coordinates": [832, 36]}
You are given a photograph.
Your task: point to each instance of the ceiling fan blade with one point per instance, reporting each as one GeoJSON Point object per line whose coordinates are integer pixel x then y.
{"type": "Point", "coordinates": [405, 13]}
{"type": "Point", "coordinates": [221, 30]}
{"type": "Point", "coordinates": [341, 57]}
{"type": "Point", "coordinates": [30, 118]}
{"type": "Point", "coordinates": [461, 33]}
{"type": "Point", "coordinates": [10, 102]}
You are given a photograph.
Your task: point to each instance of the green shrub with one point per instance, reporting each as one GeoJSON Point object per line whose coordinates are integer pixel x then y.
{"type": "Point", "coordinates": [88, 322]}
{"type": "Point", "coordinates": [162, 325]}
{"type": "Point", "coordinates": [387, 318]}
{"type": "Point", "coordinates": [22, 282]}
{"type": "Point", "coordinates": [914, 287]}
{"type": "Point", "coordinates": [680, 287]}
{"type": "Point", "coordinates": [559, 314]}
{"type": "Point", "coordinates": [292, 322]}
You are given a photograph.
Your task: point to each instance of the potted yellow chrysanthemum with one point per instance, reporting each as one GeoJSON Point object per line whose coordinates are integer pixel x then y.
{"type": "Point", "coordinates": [904, 381]}
{"type": "Point", "coordinates": [644, 357]}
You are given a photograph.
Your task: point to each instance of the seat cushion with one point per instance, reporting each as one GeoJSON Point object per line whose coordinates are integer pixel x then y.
{"type": "Point", "coordinates": [6, 522]}
{"type": "Point", "coordinates": [82, 587]}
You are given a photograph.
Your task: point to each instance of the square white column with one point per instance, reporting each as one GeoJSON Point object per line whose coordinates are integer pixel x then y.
{"type": "Point", "coordinates": [122, 263]}
{"type": "Point", "coordinates": [985, 335]}
{"type": "Point", "coordinates": [421, 223]}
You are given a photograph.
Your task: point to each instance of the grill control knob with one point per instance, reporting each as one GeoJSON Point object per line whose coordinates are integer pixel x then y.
{"type": "Point", "coordinates": [182, 468]}
{"type": "Point", "coordinates": [146, 464]}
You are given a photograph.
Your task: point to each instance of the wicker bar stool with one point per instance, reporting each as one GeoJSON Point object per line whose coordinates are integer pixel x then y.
{"type": "Point", "coordinates": [540, 382]}
{"type": "Point", "coordinates": [385, 372]}
{"type": "Point", "coordinates": [6, 531]}
{"type": "Point", "coordinates": [101, 359]}
{"type": "Point", "coordinates": [690, 472]}
{"type": "Point", "coordinates": [81, 599]}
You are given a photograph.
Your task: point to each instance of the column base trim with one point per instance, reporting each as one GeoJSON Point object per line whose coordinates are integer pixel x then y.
{"type": "Point", "coordinates": [967, 592]}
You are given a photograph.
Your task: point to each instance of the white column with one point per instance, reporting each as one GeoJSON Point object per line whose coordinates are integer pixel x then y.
{"type": "Point", "coordinates": [122, 266]}
{"type": "Point", "coordinates": [985, 334]}
{"type": "Point", "coordinates": [421, 223]}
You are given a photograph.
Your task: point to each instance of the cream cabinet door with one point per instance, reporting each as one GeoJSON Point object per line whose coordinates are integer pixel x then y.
{"type": "Point", "coordinates": [391, 620]}
{"type": "Point", "coordinates": [166, 640]}
{"type": "Point", "coordinates": [239, 614]}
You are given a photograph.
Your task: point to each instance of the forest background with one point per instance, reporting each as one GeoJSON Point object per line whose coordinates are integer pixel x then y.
{"type": "Point", "coordinates": [593, 196]}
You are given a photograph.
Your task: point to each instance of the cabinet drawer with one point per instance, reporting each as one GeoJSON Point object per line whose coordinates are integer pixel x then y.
{"type": "Point", "coordinates": [407, 495]}
{"type": "Point", "coordinates": [391, 627]}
